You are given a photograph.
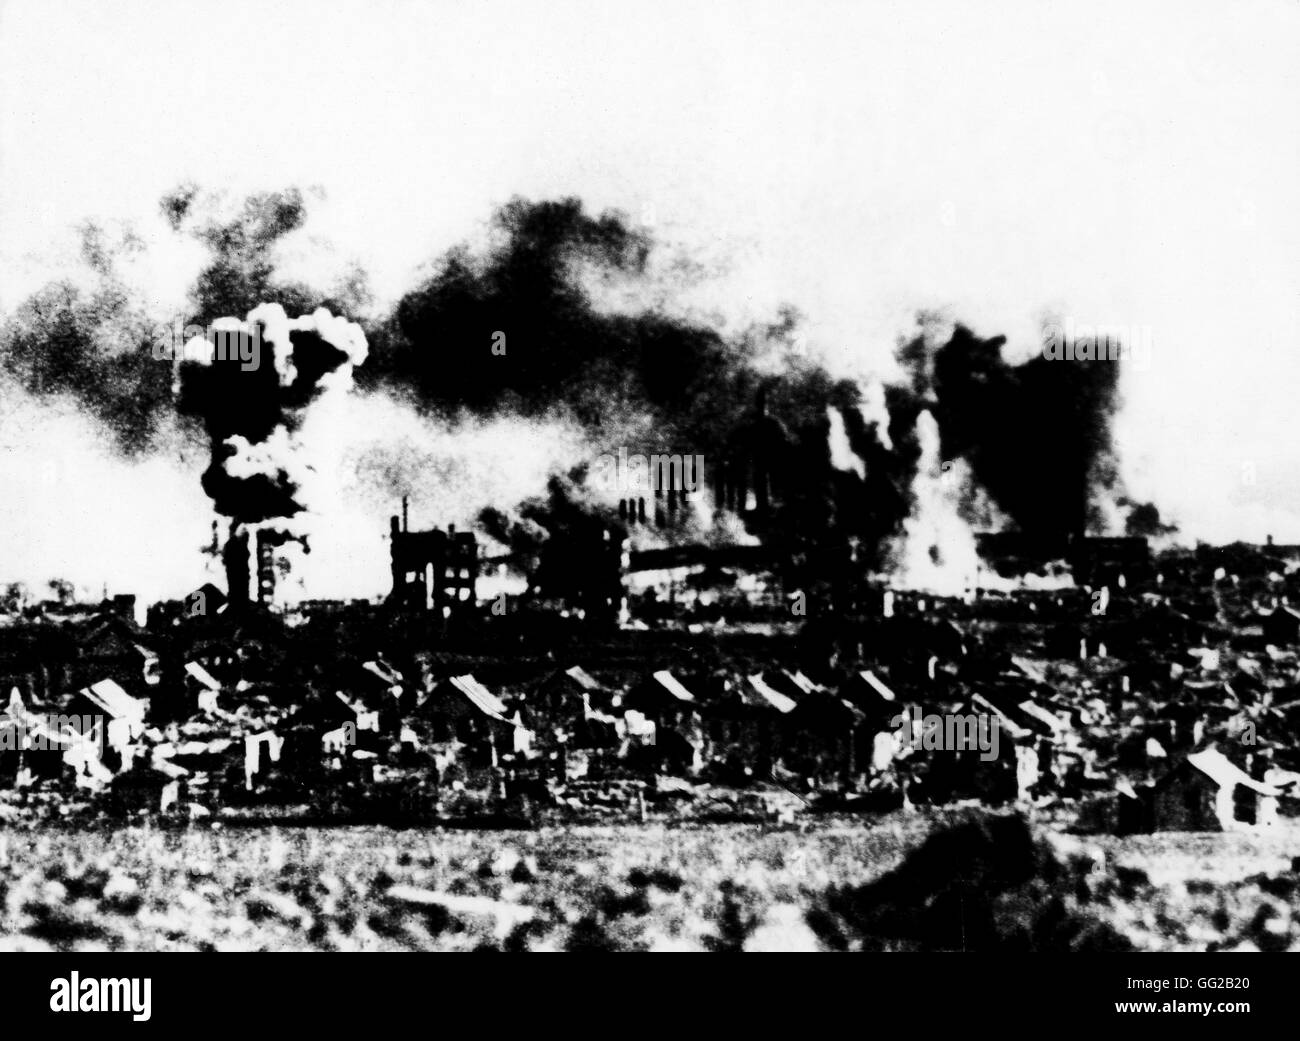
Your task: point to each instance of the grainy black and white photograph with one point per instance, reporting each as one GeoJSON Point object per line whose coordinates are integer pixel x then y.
{"type": "Point", "coordinates": [666, 477]}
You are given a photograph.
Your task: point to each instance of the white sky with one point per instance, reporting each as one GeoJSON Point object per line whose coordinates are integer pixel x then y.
{"type": "Point", "coordinates": [1125, 163]}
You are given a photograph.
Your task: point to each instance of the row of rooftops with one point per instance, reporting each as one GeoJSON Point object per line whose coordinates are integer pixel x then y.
{"type": "Point", "coordinates": [1209, 687]}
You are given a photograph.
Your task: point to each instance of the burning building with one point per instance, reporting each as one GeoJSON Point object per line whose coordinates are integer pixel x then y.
{"type": "Point", "coordinates": [751, 479]}
{"type": "Point", "coordinates": [252, 382]}
{"type": "Point", "coordinates": [672, 485]}
{"type": "Point", "coordinates": [251, 564]}
{"type": "Point", "coordinates": [434, 571]}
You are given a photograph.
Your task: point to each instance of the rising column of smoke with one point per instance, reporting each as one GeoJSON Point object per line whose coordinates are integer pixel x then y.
{"type": "Point", "coordinates": [874, 412]}
{"type": "Point", "coordinates": [937, 549]}
{"type": "Point", "coordinates": [261, 473]}
{"type": "Point", "coordinates": [843, 457]}
{"type": "Point", "coordinates": [1037, 436]}
{"type": "Point", "coordinates": [639, 377]}
{"type": "Point", "coordinates": [983, 443]}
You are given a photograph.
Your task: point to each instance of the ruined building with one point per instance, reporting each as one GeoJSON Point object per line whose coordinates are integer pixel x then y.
{"type": "Point", "coordinates": [235, 558]}
{"type": "Point", "coordinates": [434, 571]}
{"type": "Point", "coordinates": [581, 570]}
{"type": "Point", "coordinates": [751, 479]}
{"type": "Point", "coordinates": [250, 564]}
{"type": "Point", "coordinates": [673, 479]}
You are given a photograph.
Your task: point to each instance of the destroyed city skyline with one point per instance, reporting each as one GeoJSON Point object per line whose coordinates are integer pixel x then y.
{"type": "Point", "coordinates": [690, 258]}
{"type": "Point", "coordinates": [293, 414]}
{"type": "Point", "coordinates": [588, 477]}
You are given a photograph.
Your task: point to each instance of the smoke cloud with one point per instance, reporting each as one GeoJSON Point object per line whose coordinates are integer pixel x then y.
{"type": "Point", "coordinates": [261, 470]}
{"type": "Point", "coordinates": [488, 390]}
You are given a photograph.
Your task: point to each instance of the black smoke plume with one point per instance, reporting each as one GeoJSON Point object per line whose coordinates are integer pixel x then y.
{"type": "Point", "coordinates": [513, 330]}
{"type": "Point", "coordinates": [693, 388]}
{"type": "Point", "coordinates": [1037, 435]}
{"type": "Point", "coordinates": [556, 348]}
{"type": "Point", "coordinates": [252, 391]}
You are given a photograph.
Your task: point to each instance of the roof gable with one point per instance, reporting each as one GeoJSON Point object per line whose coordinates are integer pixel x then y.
{"type": "Point", "coordinates": [479, 696]}
{"type": "Point", "coordinates": [764, 695]}
{"type": "Point", "coordinates": [1225, 773]}
{"type": "Point", "coordinates": [672, 685]}
{"type": "Point", "coordinates": [108, 640]}
{"type": "Point", "coordinates": [113, 700]}
{"type": "Point", "coordinates": [201, 676]}
{"type": "Point", "coordinates": [583, 679]}
{"type": "Point", "coordinates": [877, 685]}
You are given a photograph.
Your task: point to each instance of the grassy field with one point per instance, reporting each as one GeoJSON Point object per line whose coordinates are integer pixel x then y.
{"type": "Point", "coordinates": [1207, 891]}
{"type": "Point", "coordinates": [974, 881]}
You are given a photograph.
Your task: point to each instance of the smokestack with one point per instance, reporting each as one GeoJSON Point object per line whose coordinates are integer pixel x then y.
{"type": "Point", "coordinates": [235, 558]}
{"type": "Point", "coordinates": [406, 520]}
{"type": "Point", "coordinates": [265, 570]}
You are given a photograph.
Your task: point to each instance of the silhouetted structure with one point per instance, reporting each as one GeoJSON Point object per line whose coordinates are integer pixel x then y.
{"type": "Point", "coordinates": [249, 560]}
{"type": "Point", "coordinates": [750, 480]}
{"type": "Point", "coordinates": [434, 571]}
{"type": "Point", "coordinates": [672, 477]}
{"type": "Point", "coordinates": [584, 570]}
{"type": "Point", "coordinates": [235, 557]}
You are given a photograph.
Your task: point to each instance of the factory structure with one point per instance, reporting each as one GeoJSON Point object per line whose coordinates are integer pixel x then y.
{"type": "Point", "coordinates": [434, 572]}
{"type": "Point", "coordinates": [644, 558]}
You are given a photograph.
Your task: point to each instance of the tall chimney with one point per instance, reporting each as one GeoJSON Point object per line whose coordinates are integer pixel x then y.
{"type": "Point", "coordinates": [265, 554]}
{"type": "Point", "coordinates": [397, 555]}
{"type": "Point", "coordinates": [235, 556]}
{"type": "Point", "coordinates": [406, 525]}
